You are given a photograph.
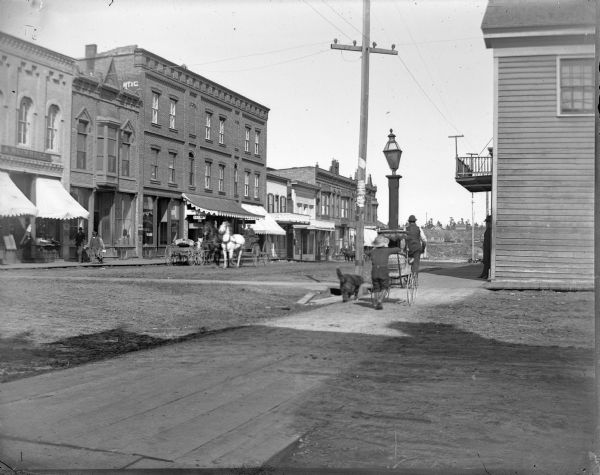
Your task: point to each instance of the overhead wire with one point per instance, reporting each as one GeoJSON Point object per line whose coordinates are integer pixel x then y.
{"type": "Point", "coordinates": [251, 55]}
{"type": "Point", "coordinates": [327, 20]}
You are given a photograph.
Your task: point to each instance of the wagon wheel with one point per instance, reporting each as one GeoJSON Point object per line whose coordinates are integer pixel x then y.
{"type": "Point", "coordinates": [255, 250]}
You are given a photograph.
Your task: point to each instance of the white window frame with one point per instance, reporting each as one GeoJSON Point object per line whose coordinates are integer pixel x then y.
{"type": "Point", "coordinates": [221, 130]}
{"type": "Point", "coordinates": [247, 140]}
{"type": "Point", "coordinates": [257, 142]}
{"type": "Point", "coordinates": [207, 126]}
{"type": "Point", "coordinates": [24, 121]}
{"type": "Point", "coordinates": [559, 60]}
{"type": "Point", "coordinates": [154, 170]}
{"type": "Point", "coordinates": [221, 186]}
{"type": "Point", "coordinates": [52, 128]}
{"type": "Point", "coordinates": [172, 113]}
{"type": "Point", "coordinates": [172, 164]}
{"type": "Point", "coordinates": [155, 101]}
{"type": "Point", "coordinates": [207, 173]}
{"type": "Point", "coordinates": [256, 184]}
{"type": "Point", "coordinates": [236, 178]}
{"type": "Point", "coordinates": [246, 184]}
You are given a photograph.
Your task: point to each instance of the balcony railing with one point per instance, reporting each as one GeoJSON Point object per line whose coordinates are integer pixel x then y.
{"type": "Point", "coordinates": [474, 173]}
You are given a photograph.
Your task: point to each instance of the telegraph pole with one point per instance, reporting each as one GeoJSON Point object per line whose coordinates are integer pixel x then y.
{"type": "Point", "coordinates": [597, 235]}
{"type": "Point", "coordinates": [366, 50]}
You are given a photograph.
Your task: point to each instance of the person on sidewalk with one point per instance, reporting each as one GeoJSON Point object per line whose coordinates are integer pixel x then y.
{"type": "Point", "coordinates": [487, 248]}
{"type": "Point", "coordinates": [79, 244]}
{"type": "Point", "coordinates": [380, 274]}
{"type": "Point", "coordinates": [415, 242]}
{"type": "Point", "coordinates": [96, 247]}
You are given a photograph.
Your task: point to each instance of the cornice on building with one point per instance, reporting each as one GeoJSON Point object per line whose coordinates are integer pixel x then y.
{"type": "Point", "coordinates": [35, 52]}
{"type": "Point", "coordinates": [201, 84]}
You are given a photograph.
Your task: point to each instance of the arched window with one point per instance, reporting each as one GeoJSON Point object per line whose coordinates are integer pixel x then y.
{"type": "Point", "coordinates": [282, 205]}
{"type": "Point", "coordinates": [24, 122]}
{"type": "Point", "coordinates": [270, 203]}
{"type": "Point", "coordinates": [52, 128]}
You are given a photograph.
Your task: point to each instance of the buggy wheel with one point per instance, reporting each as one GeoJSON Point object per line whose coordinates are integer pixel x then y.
{"type": "Point", "coordinates": [411, 288]}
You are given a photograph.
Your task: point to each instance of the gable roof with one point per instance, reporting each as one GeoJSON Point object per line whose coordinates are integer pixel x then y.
{"type": "Point", "coordinates": [520, 18]}
{"type": "Point", "coordinates": [517, 14]}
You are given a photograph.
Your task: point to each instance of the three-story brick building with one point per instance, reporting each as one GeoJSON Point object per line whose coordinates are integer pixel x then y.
{"type": "Point", "coordinates": [202, 148]}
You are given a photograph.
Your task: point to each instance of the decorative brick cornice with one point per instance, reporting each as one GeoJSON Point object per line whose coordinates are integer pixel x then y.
{"type": "Point", "coordinates": [200, 84]}
{"type": "Point", "coordinates": [21, 164]}
{"type": "Point", "coordinates": [34, 51]}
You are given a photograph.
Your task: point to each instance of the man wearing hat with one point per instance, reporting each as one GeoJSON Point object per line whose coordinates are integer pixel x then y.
{"type": "Point", "coordinates": [415, 242]}
{"type": "Point", "coordinates": [380, 274]}
{"type": "Point", "coordinates": [487, 248]}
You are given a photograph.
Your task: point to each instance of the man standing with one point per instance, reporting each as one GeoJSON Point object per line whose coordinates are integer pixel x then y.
{"type": "Point", "coordinates": [79, 243]}
{"type": "Point", "coordinates": [96, 246]}
{"type": "Point", "coordinates": [415, 242]}
{"type": "Point", "coordinates": [487, 248]}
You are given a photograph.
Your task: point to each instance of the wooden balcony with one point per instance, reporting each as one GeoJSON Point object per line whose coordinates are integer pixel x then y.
{"type": "Point", "coordinates": [474, 173]}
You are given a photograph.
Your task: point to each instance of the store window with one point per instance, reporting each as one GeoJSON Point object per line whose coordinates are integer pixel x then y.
{"type": "Point", "coordinates": [148, 220]}
{"type": "Point", "coordinates": [124, 211]}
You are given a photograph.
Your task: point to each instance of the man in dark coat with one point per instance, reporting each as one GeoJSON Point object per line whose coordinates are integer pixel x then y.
{"type": "Point", "coordinates": [415, 242]}
{"type": "Point", "coordinates": [487, 248]}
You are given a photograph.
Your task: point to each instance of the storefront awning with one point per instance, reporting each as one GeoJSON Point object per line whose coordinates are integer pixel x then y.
{"type": "Point", "coordinates": [217, 206]}
{"type": "Point", "coordinates": [53, 201]}
{"type": "Point", "coordinates": [321, 225]}
{"type": "Point", "coordinates": [12, 200]}
{"type": "Point", "coordinates": [288, 218]}
{"type": "Point", "coordinates": [266, 224]}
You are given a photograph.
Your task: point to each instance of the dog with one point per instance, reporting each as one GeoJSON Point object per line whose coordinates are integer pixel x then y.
{"type": "Point", "coordinates": [349, 284]}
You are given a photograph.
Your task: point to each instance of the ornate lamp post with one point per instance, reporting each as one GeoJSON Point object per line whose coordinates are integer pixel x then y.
{"type": "Point", "coordinates": [393, 152]}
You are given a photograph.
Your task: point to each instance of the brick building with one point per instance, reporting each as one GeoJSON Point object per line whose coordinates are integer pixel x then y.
{"type": "Point", "coordinates": [335, 214]}
{"type": "Point", "coordinates": [104, 156]}
{"type": "Point", "coordinates": [35, 115]}
{"type": "Point", "coordinates": [202, 147]}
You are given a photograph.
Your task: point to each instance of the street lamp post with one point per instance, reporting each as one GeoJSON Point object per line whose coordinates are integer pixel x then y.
{"type": "Point", "coordinates": [393, 153]}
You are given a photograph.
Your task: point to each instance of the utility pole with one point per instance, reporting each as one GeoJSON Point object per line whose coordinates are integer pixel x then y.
{"type": "Point", "coordinates": [366, 50]}
{"type": "Point", "coordinates": [597, 235]}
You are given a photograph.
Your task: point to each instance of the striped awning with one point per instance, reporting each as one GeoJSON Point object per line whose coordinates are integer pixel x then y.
{"type": "Point", "coordinates": [53, 201]}
{"type": "Point", "coordinates": [217, 206]}
{"type": "Point", "coordinates": [266, 224]}
{"type": "Point", "coordinates": [12, 200]}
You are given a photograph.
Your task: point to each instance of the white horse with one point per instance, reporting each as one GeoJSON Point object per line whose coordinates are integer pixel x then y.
{"type": "Point", "coordinates": [230, 243]}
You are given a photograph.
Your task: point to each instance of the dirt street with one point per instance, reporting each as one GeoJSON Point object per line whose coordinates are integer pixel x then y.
{"type": "Point", "coordinates": [493, 382]}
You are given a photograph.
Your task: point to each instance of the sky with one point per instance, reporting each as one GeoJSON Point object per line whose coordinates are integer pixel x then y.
{"type": "Point", "coordinates": [278, 53]}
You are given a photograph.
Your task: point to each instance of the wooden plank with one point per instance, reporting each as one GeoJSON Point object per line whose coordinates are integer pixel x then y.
{"type": "Point", "coordinates": [544, 259]}
{"type": "Point", "coordinates": [518, 250]}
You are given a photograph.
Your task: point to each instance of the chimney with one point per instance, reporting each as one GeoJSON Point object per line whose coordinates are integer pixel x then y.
{"type": "Point", "coordinates": [335, 166]}
{"type": "Point", "coordinates": [90, 56]}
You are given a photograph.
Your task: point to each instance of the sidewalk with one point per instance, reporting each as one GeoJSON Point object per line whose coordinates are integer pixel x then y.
{"type": "Point", "coordinates": [111, 262]}
{"type": "Point", "coordinates": [224, 401]}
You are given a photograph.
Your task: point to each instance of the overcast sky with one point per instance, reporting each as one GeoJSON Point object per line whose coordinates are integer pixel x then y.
{"type": "Point", "coordinates": [278, 53]}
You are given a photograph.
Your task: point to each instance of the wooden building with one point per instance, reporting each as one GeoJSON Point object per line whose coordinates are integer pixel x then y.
{"type": "Point", "coordinates": [543, 161]}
